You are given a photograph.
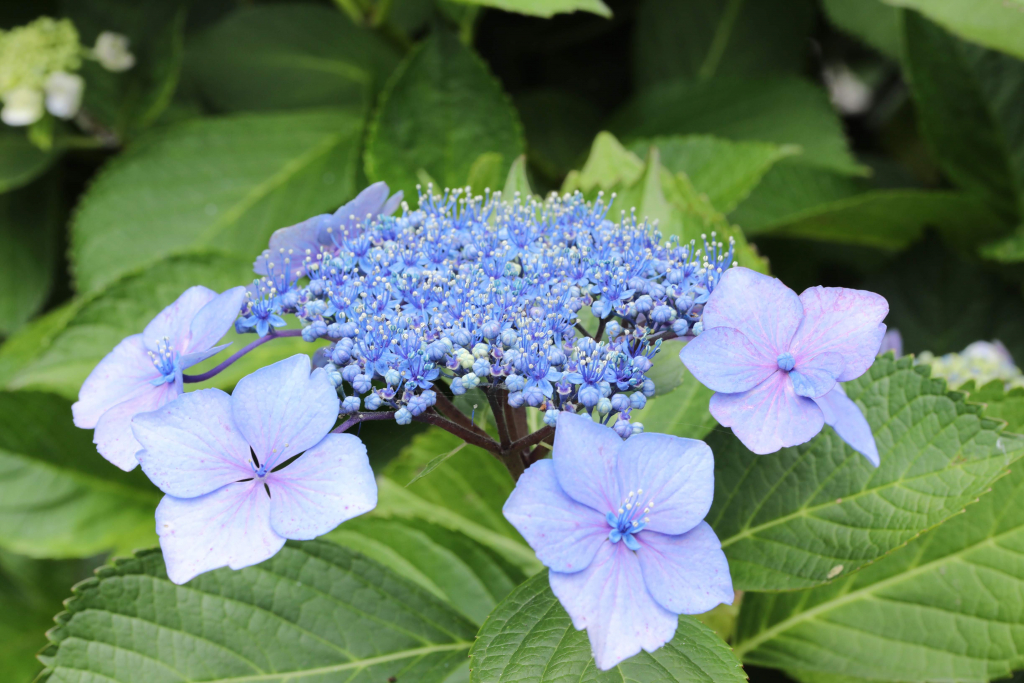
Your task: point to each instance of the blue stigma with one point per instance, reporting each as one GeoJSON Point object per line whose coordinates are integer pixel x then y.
{"type": "Point", "coordinates": [786, 361]}
{"type": "Point", "coordinates": [165, 360]}
{"type": "Point", "coordinates": [629, 520]}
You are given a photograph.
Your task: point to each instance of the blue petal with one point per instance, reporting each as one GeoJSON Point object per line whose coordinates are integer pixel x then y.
{"type": "Point", "coordinates": [770, 416]}
{"type": "Point", "coordinates": [584, 460]}
{"type": "Point", "coordinates": [723, 359]}
{"type": "Point", "coordinates": [817, 376]}
{"type": "Point", "coordinates": [849, 422]}
{"type": "Point", "coordinates": [688, 573]}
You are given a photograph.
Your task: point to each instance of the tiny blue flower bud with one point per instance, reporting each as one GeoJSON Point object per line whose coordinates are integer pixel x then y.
{"type": "Point", "coordinates": [648, 388]}
{"type": "Point", "coordinates": [663, 314]}
{"type": "Point", "coordinates": [533, 396]}
{"type": "Point", "coordinates": [392, 377]}
{"type": "Point", "coordinates": [481, 350]}
{"type": "Point", "coordinates": [349, 372]}
{"type": "Point", "coordinates": [637, 400]}
{"type": "Point", "coordinates": [684, 303]}
{"type": "Point", "coordinates": [241, 327]}
{"type": "Point", "coordinates": [350, 404]}
{"type": "Point", "coordinates": [429, 396]}
{"type": "Point", "coordinates": [642, 363]}
{"type": "Point", "coordinates": [308, 335]}
{"type": "Point", "coordinates": [604, 406]}
{"type": "Point", "coordinates": [481, 368]}
{"type": "Point", "coordinates": [590, 395]}
{"type": "Point", "coordinates": [316, 287]}
{"type": "Point", "coordinates": [586, 345]}
{"type": "Point", "coordinates": [613, 329]}
{"type": "Point", "coordinates": [457, 387]}
{"type": "Point", "coordinates": [361, 384]}
{"type": "Point", "coordinates": [340, 355]}
{"type": "Point", "coordinates": [556, 356]}
{"type": "Point", "coordinates": [349, 329]}
{"type": "Point", "coordinates": [551, 417]}
{"type": "Point", "coordinates": [290, 300]}
{"type": "Point", "coordinates": [461, 337]}
{"type": "Point", "coordinates": [509, 337]}
{"type": "Point", "coordinates": [680, 327]}
{"type": "Point", "coordinates": [698, 327]}
{"type": "Point", "coordinates": [417, 405]}
{"type": "Point", "coordinates": [515, 382]}
{"type": "Point", "coordinates": [623, 429]}
{"type": "Point", "coordinates": [372, 402]}
{"type": "Point", "coordinates": [403, 416]}
{"type": "Point", "coordinates": [638, 428]}
{"type": "Point", "coordinates": [490, 329]}
{"type": "Point", "coordinates": [606, 389]}
{"type": "Point", "coordinates": [644, 304]}
{"type": "Point", "coordinates": [335, 378]}
{"type": "Point", "coordinates": [515, 399]}
{"type": "Point", "coordinates": [621, 403]}
{"type": "Point", "coordinates": [436, 351]}
{"type": "Point", "coordinates": [334, 331]}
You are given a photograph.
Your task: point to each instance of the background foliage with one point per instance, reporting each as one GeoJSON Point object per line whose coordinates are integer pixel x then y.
{"type": "Point", "coordinates": [876, 144]}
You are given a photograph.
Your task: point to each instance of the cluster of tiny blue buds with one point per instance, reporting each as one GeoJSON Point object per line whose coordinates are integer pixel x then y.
{"type": "Point", "coordinates": [492, 293]}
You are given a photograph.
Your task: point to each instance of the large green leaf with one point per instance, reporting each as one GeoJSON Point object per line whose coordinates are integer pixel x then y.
{"type": "Point", "coordinates": [779, 110]}
{"type": "Point", "coordinates": [529, 638]}
{"type": "Point", "coordinates": [462, 572]}
{"type": "Point", "coordinates": [874, 22]}
{"type": "Point", "coordinates": [66, 356]}
{"type": "Point", "coordinates": [946, 607]}
{"type": "Point", "coordinates": [314, 612]}
{"type": "Point", "coordinates": [58, 496]}
{"type": "Point", "coordinates": [999, 403]}
{"type": "Point", "coordinates": [683, 411]}
{"type": "Point", "coordinates": [805, 515]}
{"type": "Point", "coordinates": [465, 494]}
{"type": "Point", "coordinates": [890, 219]}
{"type": "Point", "coordinates": [439, 113]}
{"type": "Point", "coordinates": [20, 160]}
{"type": "Point", "coordinates": [725, 170]}
{"type": "Point", "coordinates": [1009, 249]}
{"type": "Point", "coordinates": [701, 39]}
{"type": "Point", "coordinates": [544, 8]}
{"type": "Point", "coordinates": [31, 220]}
{"type": "Point", "coordinates": [968, 102]}
{"type": "Point", "coordinates": [288, 57]}
{"type": "Point", "coordinates": [214, 184]}
{"type": "Point", "coordinates": [997, 24]}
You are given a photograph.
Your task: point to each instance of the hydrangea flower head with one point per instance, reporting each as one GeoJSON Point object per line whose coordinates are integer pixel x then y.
{"type": "Point", "coordinates": [620, 526]}
{"type": "Point", "coordinates": [235, 490]}
{"type": "Point", "coordinates": [144, 371]}
{"type": "Point", "coordinates": [773, 357]}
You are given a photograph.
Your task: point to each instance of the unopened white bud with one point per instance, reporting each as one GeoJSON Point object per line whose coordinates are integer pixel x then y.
{"type": "Point", "coordinates": [112, 52]}
{"type": "Point", "coordinates": [64, 94]}
{"type": "Point", "coordinates": [22, 107]}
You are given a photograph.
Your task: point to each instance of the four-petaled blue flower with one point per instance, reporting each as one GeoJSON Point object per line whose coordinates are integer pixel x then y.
{"type": "Point", "coordinates": [234, 491]}
{"type": "Point", "coordinates": [620, 526]}
{"type": "Point", "coordinates": [144, 371]}
{"type": "Point", "coordinates": [775, 359]}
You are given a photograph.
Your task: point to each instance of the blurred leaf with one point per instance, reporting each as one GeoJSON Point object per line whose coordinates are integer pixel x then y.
{"type": "Point", "coordinates": [891, 219]}
{"type": "Point", "coordinates": [517, 180]}
{"type": "Point", "coordinates": [31, 220]}
{"type": "Point", "coordinates": [779, 110]}
{"type": "Point", "coordinates": [946, 607]}
{"type": "Point", "coordinates": [874, 22]}
{"type": "Point", "coordinates": [683, 410]}
{"type": "Point", "coordinates": [467, 575]}
{"type": "Point", "coordinates": [1007, 250]}
{"type": "Point", "coordinates": [999, 403]}
{"type": "Point", "coordinates": [790, 189]}
{"type": "Point", "coordinates": [924, 284]}
{"type": "Point", "coordinates": [700, 39]}
{"type": "Point", "coordinates": [544, 8]}
{"type": "Point", "coordinates": [99, 322]}
{"type": "Point", "coordinates": [32, 339]}
{"type": "Point", "coordinates": [968, 103]}
{"type": "Point", "coordinates": [60, 498]}
{"type": "Point", "coordinates": [129, 101]}
{"type": "Point", "coordinates": [20, 160]}
{"type": "Point", "coordinates": [725, 170]}
{"type": "Point", "coordinates": [486, 172]}
{"type": "Point", "coordinates": [559, 128]}
{"type": "Point", "coordinates": [998, 24]}
{"type": "Point", "coordinates": [465, 494]}
{"type": "Point", "coordinates": [288, 57]}
{"type": "Point", "coordinates": [807, 514]}
{"type": "Point", "coordinates": [609, 165]}
{"type": "Point", "coordinates": [313, 611]}
{"type": "Point", "coordinates": [529, 638]}
{"type": "Point", "coordinates": [668, 371]}
{"type": "Point", "coordinates": [440, 112]}
{"type": "Point", "coordinates": [223, 184]}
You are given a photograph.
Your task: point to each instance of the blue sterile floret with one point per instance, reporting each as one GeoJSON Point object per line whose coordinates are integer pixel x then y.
{"type": "Point", "coordinates": [488, 293]}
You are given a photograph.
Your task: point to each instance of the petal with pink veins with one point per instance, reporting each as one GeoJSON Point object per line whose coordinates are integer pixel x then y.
{"type": "Point", "coordinates": [584, 457]}
{"type": "Point", "coordinates": [770, 416]}
{"type": "Point", "coordinates": [843, 321]}
{"type": "Point", "coordinates": [685, 573]}
{"type": "Point", "coordinates": [766, 311]}
{"type": "Point", "coordinates": [124, 374]}
{"type": "Point", "coordinates": [723, 359]}
{"type": "Point", "coordinates": [113, 436]}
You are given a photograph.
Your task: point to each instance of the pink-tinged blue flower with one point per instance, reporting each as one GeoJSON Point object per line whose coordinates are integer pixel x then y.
{"type": "Point", "coordinates": [235, 490]}
{"type": "Point", "coordinates": [770, 353]}
{"type": "Point", "coordinates": [144, 371]}
{"type": "Point", "coordinates": [843, 415]}
{"type": "Point", "coordinates": [620, 526]}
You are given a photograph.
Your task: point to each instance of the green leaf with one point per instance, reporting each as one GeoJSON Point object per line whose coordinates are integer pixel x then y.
{"type": "Point", "coordinates": [31, 340]}
{"type": "Point", "coordinates": [701, 39]}
{"type": "Point", "coordinates": [874, 22]}
{"type": "Point", "coordinates": [1007, 250]}
{"type": "Point", "coordinates": [99, 322]}
{"type": "Point", "coordinates": [683, 411]}
{"type": "Point", "coordinates": [779, 110]}
{"type": "Point", "coordinates": [668, 371]}
{"type": "Point", "coordinates": [60, 498]}
{"type": "Point", "coordinates": [449, 564]}
{"type": "Point", "coordinates": [213, 184]}
{"type": "Point", "coordinates": [805, 515]}
{"type": "Point", "coordinates": [486, 172]}
{"type": "Point", "coordinates": [314, 612]}
{"type": "Point", "coordinates": [1000, 404]}
{"type": "Point", "coordinates": [20, 160]}
{"type": "Point", "coordinates": [441, 110]}
{"type": "Point", "coordinates": [946, 607]}
{"type": "Point", "coordinates": [465, 494]}
{"type": "Point", "coordinates": [30, 223]}
{"type": "Point", "coordinates": [725, 170]}
{"type": "Point", "coordinates": [608, 166]}
{"type": "Point", "coordinates": [288, 57]}
{"type": "Point", "coordinates": [890, 219]}
{"type": "Point", "coordinates": [997, 24]}
{"type": "Point", "coordinates": [559, 129]}
{"type": "Point", "coordinates": [968, 103]}
{"type": "Point", "coordinates": [529, 638]}
{"type": "Point", "coordinates": [517, 180]}
{"type": "Point", "coordinates": [544, 8]}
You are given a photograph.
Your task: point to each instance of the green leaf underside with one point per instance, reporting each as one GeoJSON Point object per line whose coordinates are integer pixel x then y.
{"type": "Point", "coordinates": [874, 22]}
{"type": "Point", "coordinates": [221, 184]}
{"type": "Point", "coordinates": [313, 612]}
{"type": "Point", "coordinates": [997, 24]}
{"type": "Point", "coordinates": [946, 607]}
{"type": "Point", "coordinates": [544, 8]}
{"type": "Point", "coordinates": [440, 111]}
{"type": "Point", "coordinates": [805, 515]}
{"type": "Point", "coordinates": [465, 493]}
{"type": "Point", "coordinates": [464, 573]}
{"type": "Point", "coordinates": [529, 638]}
{"type": "Point", "coordinates": [288, 57]}
{"type": "Point", "coordinates": [124, 308]}
{"type": "Point", "coordinates": [20, 160]}
{"type": "Point", "coordinates": [58, 497]}
{"type": "Point", "coordinates": [779, 110]}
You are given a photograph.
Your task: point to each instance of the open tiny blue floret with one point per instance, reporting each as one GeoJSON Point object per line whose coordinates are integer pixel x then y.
{"type": "Point", "coordinates": [629, 520]}
{"type": "Point", "coordinates": [488, 293]}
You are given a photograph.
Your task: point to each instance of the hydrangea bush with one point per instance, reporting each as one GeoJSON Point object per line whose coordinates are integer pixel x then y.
{"type": "Point", "coordinates": [417, 341]}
